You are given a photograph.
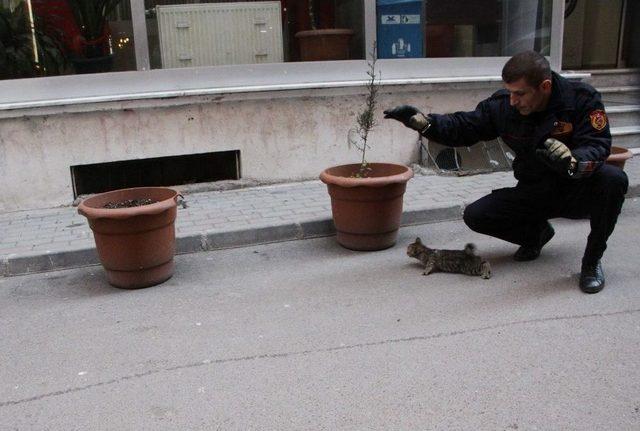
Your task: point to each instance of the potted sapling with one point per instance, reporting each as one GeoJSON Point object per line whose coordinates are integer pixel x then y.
{"type": "Point", "coordinates": [367, 198]}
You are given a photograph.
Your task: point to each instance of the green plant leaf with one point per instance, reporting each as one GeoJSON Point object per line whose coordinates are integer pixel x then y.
{"type": "Point", "coordinates": [17, 40]}
{"type": "Point", "coordinates": [91, 15]}
{"type": "Point", "coordinates": [24, 66]}
{"type": "Point", "coordinates": [3, 56]}
{"type": "Point", "coordinates": [4, 25]}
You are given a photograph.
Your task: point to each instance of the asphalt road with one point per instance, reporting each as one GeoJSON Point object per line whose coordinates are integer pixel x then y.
{"type": "Point", "coordinates": [307, 335]}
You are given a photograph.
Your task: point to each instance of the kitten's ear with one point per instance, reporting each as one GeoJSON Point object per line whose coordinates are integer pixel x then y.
{"type": "Point", "coordinates": [418, 241]}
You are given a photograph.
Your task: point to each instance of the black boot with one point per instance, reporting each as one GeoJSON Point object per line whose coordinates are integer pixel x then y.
{"type": "Point", "coordinates": [525, 253]}
{"type": "Point", "coordinates": [591, 278]}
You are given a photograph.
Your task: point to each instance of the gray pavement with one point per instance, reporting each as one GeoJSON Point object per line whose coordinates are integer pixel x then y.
{"type": "Point", "coordinates": [305, 335]}
{"type": "Point", "coordinates": [56, 238]}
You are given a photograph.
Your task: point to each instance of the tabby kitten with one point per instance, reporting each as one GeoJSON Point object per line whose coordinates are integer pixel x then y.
{"type": "Point", "coordinates": [459, 261]}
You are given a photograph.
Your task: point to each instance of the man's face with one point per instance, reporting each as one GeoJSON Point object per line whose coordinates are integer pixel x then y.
{"type": "Point", "coordinates": [527, 99]}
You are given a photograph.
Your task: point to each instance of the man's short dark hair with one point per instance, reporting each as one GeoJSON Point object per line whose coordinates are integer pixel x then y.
{"type": "Point", "coordinates": [530, 65]}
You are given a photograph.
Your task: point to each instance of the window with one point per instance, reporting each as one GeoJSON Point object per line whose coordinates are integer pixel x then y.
{"type": "Point", "coordinates": [190, 33]}
{"type": "Point", "coordinates": [75, 36]}
{"type": "Point", "coordinates": [462, 28]}
{"type": "Point", "coordinates": [69, 36]}
{"type": "Point", "coordinates": [196, 52]}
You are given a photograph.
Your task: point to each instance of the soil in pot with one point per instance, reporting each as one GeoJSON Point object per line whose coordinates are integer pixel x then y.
{"type": "Point", "coordinates": [130, 203]}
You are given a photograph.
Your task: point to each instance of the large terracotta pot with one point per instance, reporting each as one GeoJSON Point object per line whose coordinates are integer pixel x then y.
{"type": "Point", "coordinates": [324, 44]}
{"type": "Point", "coordinates": [367, 211]}
{"type": "Point", "coordinates": [136, 245]}
{"type": "Point", "coordinates": [619, 156]}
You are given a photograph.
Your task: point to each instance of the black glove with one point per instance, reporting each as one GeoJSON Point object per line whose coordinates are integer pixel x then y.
{"type": "Point", "coordinates": [557, 156]}
{"type": "Point", "coordinates": [409, 116]}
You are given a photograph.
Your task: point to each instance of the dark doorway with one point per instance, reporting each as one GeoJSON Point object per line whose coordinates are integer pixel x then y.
{"type": "Point", "coordinates": [159, 171]}
{"type": "Point", "coordinates": [601, 34]}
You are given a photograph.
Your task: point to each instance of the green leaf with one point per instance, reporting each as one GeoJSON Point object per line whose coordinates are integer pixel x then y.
{"type": "Point", "coordinates": [24, 65]}
{"type": "Point", "coordinates": [3, 56]}
{"type": "Point", "coordinates": [91, 15]}
{"type": "Point", "coordinates": [4, 25]}
{"type": "Point", "coordinates": [17, 42]}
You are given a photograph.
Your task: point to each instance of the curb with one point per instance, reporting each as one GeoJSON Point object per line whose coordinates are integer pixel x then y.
{"type": "Point", "coordinates": [31, 263]}
{"type": "Point", "coordinates": [313, 228]}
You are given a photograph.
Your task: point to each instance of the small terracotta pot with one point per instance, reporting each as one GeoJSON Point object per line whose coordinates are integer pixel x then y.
{"type": "Point", "coordinates": [367, 211]}
{"type": "Point", "coordinates": [324, 44]}
{"type": "Point", "coordinates": [619, 156]}
{"type": "Point", "coordinates": [136, 245]}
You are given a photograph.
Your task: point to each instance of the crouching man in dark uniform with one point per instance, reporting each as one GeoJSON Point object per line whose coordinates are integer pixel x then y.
{"type": "Point", "coordinates": [559, 133]}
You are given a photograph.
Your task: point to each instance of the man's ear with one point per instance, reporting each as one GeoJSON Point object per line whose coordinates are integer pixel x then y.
{"type": "Point", "coordinates": [546, 85]}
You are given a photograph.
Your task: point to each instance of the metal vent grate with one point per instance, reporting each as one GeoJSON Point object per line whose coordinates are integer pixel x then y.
{"type": "Point", "coordinates": [159, 171]}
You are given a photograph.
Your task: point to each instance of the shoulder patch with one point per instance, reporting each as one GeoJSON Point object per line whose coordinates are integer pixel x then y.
{"type": "Point", "coordinates": [598, 119]}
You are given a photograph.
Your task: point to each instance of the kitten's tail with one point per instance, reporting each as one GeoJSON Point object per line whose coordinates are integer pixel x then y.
{"type": "Point", "coordinates": [470, 249]}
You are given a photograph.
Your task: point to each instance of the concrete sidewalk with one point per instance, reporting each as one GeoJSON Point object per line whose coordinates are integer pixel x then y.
{"type": "Point", "coordinates": [57, 238]}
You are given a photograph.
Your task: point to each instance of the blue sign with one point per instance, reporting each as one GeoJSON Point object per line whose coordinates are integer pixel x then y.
{"type": "Point", "coordinates": [399, 29]}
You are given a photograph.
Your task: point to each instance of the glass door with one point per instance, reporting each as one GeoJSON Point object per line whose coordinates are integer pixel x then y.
{"type": "Point", "coordinates": [599, 35]}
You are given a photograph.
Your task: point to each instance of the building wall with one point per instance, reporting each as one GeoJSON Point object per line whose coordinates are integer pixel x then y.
{"type": "Point", "coordinates": [282, 136]}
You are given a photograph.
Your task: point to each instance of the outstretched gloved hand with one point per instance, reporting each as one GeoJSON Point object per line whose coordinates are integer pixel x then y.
{"type": "Point", "coordinates": [409, 116]}
{"type": "Point", "coordinates": [557, 156]}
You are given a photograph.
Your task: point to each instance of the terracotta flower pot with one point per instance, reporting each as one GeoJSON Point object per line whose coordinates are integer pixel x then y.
{"type": "Point", "coordinates": [324, 44]}
{"type": "Point", "coordinates": [367, 211]}
{"type": "Point", "coordinates": [136, 245]}
{"type": "Point", "coordinates": [619, 156]}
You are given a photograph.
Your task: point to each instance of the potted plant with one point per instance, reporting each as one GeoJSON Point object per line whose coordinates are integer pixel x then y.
{"type": "Point", "coordinates": [25, 50]}
{"type": "Point", "coordinates": [619, 156]}
{"type": "Point", "coordinates": [91, 46]}
{"type": "Point", "coordinates": [134, 231]}
{"type": "Point", "coordinates": [366, 198]}
{"type": "Point", "coordinates": [320, 41]}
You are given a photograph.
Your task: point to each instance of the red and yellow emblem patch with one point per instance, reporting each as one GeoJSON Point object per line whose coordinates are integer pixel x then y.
{"type": "Point", "coordinates": [598, 119]}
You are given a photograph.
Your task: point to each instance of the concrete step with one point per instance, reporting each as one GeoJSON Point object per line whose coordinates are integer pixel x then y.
{"type": "Point", "coordinates": [624, 95]}
{"type": "Point", "coordinates": [627, 137]}
{"type": "Point", "coordinates": [624, 115]}
{"type": "Point", "coordinates": [613, 77]}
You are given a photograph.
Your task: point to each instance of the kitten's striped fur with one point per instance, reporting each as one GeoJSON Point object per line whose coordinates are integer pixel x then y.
{"type": "Point", "coordinates": [459, 261]}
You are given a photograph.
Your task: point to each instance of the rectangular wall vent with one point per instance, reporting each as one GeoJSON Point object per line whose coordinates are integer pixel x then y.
{"type": "Point", "coordinates": [212, 34]}
{"type": "Point", "coordinates": [159, 171]}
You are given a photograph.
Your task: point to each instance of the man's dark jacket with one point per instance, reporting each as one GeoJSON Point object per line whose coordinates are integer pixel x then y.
{"type": "Point", "coordinates": [575, 115]}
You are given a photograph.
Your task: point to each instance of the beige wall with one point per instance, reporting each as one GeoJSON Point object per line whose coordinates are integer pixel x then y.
{"type": "Point", "coordinates": [282, 136]}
